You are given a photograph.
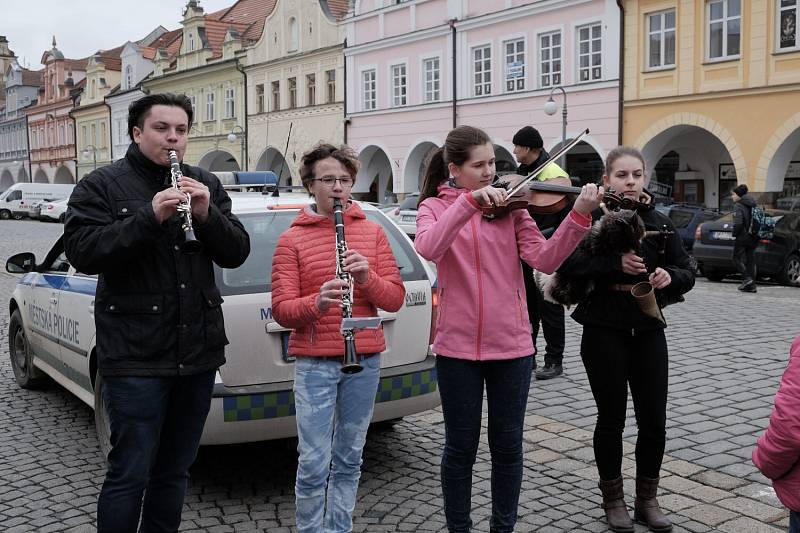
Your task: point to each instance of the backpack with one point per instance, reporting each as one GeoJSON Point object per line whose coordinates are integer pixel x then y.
{"type": "Point", "coordinates": [761, 224]}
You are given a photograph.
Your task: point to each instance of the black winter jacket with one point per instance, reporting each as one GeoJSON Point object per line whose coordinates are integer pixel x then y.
{"type": "Point", "coordinates": [157, 310]}
{"type": "Point", "coordinates": [618, 309]}
{"type": "Point", "coordinates": [742, 214]}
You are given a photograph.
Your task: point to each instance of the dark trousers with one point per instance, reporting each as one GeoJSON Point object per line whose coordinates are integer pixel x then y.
{"type": "Point", "coordinates": [551, 316]}
{"type": "Point", "coordinates": [615, 360]}
{"type": "Point", "coordinates": [744, 257]}
{"type": "Point", "coordinates": [461, 385]}
{"type": "Point", "coordinates": [794, 522]}
{"type": "Point", "coordinates": [156, 424]}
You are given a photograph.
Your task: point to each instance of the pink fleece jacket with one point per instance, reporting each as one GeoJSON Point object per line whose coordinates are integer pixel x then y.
{"type": "Point", "coordinates": [777, 453]}
{"type": "Point", "coordinates": [483, 313]}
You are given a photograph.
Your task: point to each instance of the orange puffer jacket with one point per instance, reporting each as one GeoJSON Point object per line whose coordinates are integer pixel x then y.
{"type": "Point", "coordinates": [305, 258]}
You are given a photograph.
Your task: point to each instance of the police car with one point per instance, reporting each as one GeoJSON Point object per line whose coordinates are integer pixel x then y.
{"type": "Point", "coordinates": [52, 332]}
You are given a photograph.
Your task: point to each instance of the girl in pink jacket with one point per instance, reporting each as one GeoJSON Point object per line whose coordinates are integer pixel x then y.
{"type": "Point", "coordinates": [777, 453]}
{"type": "Point", "coordinates": [483, 336]}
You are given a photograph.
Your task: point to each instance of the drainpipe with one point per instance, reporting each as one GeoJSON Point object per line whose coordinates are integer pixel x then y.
{"type": "Point", "coordinates": [244, 128]}
{"type": "Point", "coordinates": [621, 69]}
{"type": "Point", "coordinates": [344, 103]}
{"type": "Point", "coordinates": [28, 142]}
{"type": "Point", "coordinates": [452, 23]}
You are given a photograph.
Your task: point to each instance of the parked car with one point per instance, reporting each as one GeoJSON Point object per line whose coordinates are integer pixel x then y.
{"type": "Point", "coordinates": [686, 218]}
{"type": "Point", "coordinates": [16, 201]}
{"type": "Point", "coordinates": [53, 211]}
{"type": "Point", "coordinates": [405, 215]}
{"type": "Point", "coordinates": [789, 203]}
{"type": "Point", "coordinates": [777, 258]}
{"type": "Point", "coordinates": [52, 332]}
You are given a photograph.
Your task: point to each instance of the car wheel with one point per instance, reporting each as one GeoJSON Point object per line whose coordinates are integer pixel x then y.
{"type": "Point", "coordinates": [790, 275]}
{"type": "Point", "coordinates": [712, 275]}
{"type": "Point", "coordinates": [26, 374]}
{"type": "Point", "coordinates": [5, 215]}
{"type": "Point", "coordinates": [102, 424]}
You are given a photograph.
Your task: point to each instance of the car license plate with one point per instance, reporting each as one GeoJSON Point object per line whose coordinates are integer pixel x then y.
{"type": "Point", "coordinates": [408, 218]}
{"type": "Point", "coordinates": [722, 236]}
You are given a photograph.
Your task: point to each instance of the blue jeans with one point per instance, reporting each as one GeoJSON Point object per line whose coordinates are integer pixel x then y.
{"type": "Point", "coordinates": [461, 385]}
{"type": "Point", "coordinates": [156, 424]}
{"type": "Point", "coordinates": [794, 522]}
{"type": "Point", "coordinates": [333, 414]}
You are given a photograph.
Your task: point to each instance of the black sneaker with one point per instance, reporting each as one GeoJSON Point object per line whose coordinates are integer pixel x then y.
{"type": "Point", "coordinates": [750, 287]}
{"type": "Point", "coordinates": [549, 371]}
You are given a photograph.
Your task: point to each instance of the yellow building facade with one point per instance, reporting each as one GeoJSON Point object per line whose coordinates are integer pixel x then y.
{"type": "Point", "coordinates": [712, 96]}
{"type": "Point", "coordinates": [92, 116]}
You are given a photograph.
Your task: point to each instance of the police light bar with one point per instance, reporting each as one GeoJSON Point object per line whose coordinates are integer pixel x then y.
{"type": "Point", "coordinates": [264, 177]}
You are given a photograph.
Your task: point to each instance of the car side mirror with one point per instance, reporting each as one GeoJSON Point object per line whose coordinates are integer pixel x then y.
{"type": "Point", "coordinates": [21, 263]}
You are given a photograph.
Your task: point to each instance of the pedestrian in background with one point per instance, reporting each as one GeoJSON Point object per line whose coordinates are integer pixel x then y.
{"type": "Point", "coordinates": [744, 248]}
{"type": "Point", "coordinates": [160, 331]}
{"type": "Point", "coordinates": [621, 346]}
{"type": "Point", "coordinates": [777, 452]}
{"type": "Point", "coordinates": [483, 337]}
{"type": "Point", "coordinates": [333, 409]}
{"type": "Point", "coordinates": [530, 153]}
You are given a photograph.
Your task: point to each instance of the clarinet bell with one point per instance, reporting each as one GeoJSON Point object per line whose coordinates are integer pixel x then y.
{"type": "Point", "coordinates": [191, 245]}
{"type": "Point", "coordinates": [350, 363]}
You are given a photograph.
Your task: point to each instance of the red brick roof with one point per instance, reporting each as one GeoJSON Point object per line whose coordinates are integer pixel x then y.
{"type": "Point", "coordinates": [32, 77]}
{"type": "Point", "coordinates": [339, 8]}
{"type": "Point", "coordinates": [247, 16]}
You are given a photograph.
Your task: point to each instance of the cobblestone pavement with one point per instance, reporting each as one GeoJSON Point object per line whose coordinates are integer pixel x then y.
{"type": "Point", "coordinates": [725, 362]}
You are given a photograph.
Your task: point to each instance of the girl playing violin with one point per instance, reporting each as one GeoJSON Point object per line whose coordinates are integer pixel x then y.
{"type": "Point", "coordinates": [623, 346]}
{"type": "Point", "coordinates": [483, 336]}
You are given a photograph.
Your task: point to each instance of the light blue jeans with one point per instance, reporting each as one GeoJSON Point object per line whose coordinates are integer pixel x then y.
{"type": "Point", "coordinates": [333, 414]}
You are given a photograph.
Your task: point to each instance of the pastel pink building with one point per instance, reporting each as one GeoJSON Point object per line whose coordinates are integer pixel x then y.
{"type": "Point", "coordinates": [504, 57]}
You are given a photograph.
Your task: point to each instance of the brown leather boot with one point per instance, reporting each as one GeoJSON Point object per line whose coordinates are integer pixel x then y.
{"type": "Point", "coordinates": [646, 509]}
{"type": "Point", "coordinates": [614, 505]}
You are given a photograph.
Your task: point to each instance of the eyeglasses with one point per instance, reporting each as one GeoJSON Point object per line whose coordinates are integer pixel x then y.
{"type": "Point", "coordinates": [328, 181]}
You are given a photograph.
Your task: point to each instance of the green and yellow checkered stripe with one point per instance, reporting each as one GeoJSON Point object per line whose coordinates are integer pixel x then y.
{"type": "Point", "coordinates": [281, 403]}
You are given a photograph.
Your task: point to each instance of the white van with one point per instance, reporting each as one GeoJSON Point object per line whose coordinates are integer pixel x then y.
{"type": "Point", "coordinates": [18, 200]}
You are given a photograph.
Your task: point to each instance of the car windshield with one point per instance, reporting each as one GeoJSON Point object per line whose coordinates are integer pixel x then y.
{"type": "Point", "coordinates": [254, 276]}
{"type": "Point", "coordinates": [410, 202]}
{"type": "Point", "coordinates": [680, 218]}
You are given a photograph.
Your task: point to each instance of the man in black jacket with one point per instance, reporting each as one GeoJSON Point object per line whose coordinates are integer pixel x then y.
{"type": "Point", "coordinates": [530, 153]}
{"type": "Point", "coordinates": [744, 249]}
{"type": "Point", "coordinates": [160, 332]}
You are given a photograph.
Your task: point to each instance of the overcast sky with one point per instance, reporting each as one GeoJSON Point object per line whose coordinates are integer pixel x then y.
{"type": "Point", "coordinates": [82, 27]}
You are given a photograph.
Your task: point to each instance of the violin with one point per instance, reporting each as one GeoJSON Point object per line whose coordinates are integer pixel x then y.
{"type": "Point", "coordinates": [551, 196]}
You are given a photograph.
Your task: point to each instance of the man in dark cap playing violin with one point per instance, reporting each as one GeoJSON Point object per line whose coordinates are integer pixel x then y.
{"type": "Point", "coordinates": [530, 153]}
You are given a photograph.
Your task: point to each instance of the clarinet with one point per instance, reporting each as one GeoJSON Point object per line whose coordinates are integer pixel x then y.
{"type": "Point", "coordinates": [350, 363]}
{"type": "Point", "coordinates": [191, 245]}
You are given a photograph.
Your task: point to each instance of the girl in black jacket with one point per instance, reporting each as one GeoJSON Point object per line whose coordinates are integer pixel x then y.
{"type": "Point", "coordinates": [622, 346]}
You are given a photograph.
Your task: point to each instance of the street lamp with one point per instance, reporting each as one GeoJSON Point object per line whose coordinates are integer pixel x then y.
{"type": "Point", "coordinates": [232, 138]}
{"type": "Point", "coordinates": [550, 107]}
{"type": "Point", "coordinates": [94, 153]}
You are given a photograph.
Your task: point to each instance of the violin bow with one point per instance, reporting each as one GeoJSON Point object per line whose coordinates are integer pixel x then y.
{"type": "Point", "coordinates": [563, 150]}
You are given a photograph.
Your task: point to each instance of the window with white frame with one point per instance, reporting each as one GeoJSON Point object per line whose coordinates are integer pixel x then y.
{"type": "Point", "coordinates": [330, 82]}
{"type": "Point", "coordinates": [259, 98]}
{"type": "Point", "coordinates": [128, 77]}
{"type": "Point", "coordinates": [368, 90]}
{"type": "Point", "coordinates": [191, 41]}
{"type": "Point", "coordinates": [193, 101]}
{"type": "Point", "coordinates": [482, 70]}
{"type": "Point", "coordinates": [515, 65]}
{"type": "Point", "coordinates": [661, 39]}
{"type": "Point", "coordinates": [724, 28]}
{"type": "Point", "coordinates": [292, 84]}
{"type": "Point", "coordinates": [399, 85]}
{"type": "Point", "coordinates": [210, 106]}
{"type": "Point", "coordinates": [590, 52]}
{"type": "Point", "coordinates": [787, 24]}
{"type": "Point", "coordinates": [430, 68]}
{"type": "Point", "coordinates": [311, 89]}
{"type": "Point", "coordinates": [230, 102]}
{"type": "Point", "coordinates": [550, 59]}
{"type": "Point", "coordinates": [276, 95]}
